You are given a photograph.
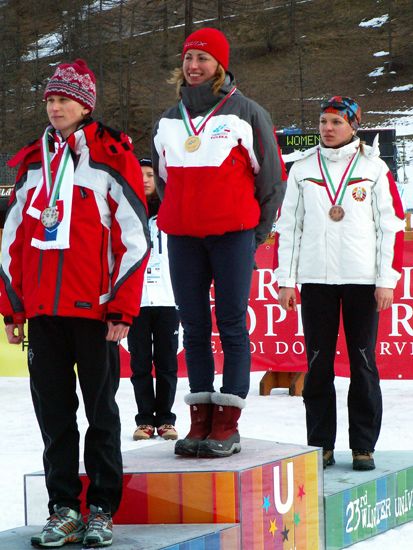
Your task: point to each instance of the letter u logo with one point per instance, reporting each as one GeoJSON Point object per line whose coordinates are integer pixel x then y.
{"type": "Point", "coordinates": [283, 507]}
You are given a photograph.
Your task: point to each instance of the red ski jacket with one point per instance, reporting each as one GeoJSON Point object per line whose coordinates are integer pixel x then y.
{"type": "Point", "coordinates": [100, 276]}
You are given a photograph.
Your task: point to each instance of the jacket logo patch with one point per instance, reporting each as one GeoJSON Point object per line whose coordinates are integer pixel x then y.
{"type": "Point", "coordinates": [359, 194]}
{"type": "Point", "coordinates": [221, 132]}
{"type": "Point", "coordinates": [83, 305]}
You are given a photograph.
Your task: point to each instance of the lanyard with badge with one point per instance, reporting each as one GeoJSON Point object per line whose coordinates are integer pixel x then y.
{"type": "Point", "coordinates": [153, 269]}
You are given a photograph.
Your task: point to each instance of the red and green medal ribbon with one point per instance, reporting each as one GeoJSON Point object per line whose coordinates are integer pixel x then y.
{"type": "Point", "coordinates": [193, 142]}
{"type": "Point", "coordinates": [336, 196]}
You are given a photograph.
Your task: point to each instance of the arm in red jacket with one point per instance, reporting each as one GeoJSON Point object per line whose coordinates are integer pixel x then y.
{"type": "Point", "coordinates": [129, 233]}
{"type": "Point", "coordinates": [11, 273]}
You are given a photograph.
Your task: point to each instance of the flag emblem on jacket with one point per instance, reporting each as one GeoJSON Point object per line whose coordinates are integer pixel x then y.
{"type": "Point", "coordinates": [359, 194]}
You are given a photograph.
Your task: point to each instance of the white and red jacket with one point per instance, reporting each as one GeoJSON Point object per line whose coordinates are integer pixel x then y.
{"type": "Point", "coordinates": [100, 276]}
{"type": "Point", "coordinates": [232, 182]}
{"type": "Point", "coordinates": [365, 247]}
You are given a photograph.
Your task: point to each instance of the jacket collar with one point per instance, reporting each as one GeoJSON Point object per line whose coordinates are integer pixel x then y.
{"type": "Point", "coordinates": [344, 152]}
{"type": "Point", "coordinates": [199, 99]}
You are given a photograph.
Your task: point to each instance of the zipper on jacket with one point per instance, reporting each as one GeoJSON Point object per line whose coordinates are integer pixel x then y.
{"type": "Point", "coordinates": [39, 269]}
{"type": "Point", "coordinates": [102, 263]}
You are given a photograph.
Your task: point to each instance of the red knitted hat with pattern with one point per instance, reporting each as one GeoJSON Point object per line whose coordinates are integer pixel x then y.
{"type": "Point", "coordinates": [75, 81]}
{"type": "Point", "coordinates": [211, 41]}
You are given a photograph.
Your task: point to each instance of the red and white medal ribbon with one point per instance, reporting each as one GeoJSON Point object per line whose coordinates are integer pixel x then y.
{"type": "Point", "coordinates": [336, 196]}
{"type": "Point", "coordinates": [51, 203]}
{"type": "Point", "coordinates": [193, 142]}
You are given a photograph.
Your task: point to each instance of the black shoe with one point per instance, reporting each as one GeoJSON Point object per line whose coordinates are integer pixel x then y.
{"type": "Point", "coordinates": [328, 458]}
{"type": "Point", "coordinates": [187, 447]}
{"type": "Point", "coordinates": [215, 448]}
{"type": "Point", "coordinates": [363, 460]}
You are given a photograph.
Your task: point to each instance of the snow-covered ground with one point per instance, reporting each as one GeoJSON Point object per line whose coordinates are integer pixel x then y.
{"type": "Point", "coordinates": [277, 417]}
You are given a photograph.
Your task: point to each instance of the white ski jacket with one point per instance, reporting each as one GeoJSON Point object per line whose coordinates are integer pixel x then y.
{"type": "Point", "coordinates": [365, 247]}
{"type": "Point", "coordinates": [157, 286]}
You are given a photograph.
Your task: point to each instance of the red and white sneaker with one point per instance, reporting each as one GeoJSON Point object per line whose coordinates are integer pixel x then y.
{"type": "Point", "coordinates": [167, 431]}
{"type": "Point", "coordinates": [144, 431]}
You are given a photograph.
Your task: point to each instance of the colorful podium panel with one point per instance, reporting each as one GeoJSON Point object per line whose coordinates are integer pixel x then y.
{"type": "Point", "coordinates": [273, 491]}
{"type": "Point", "coordinates": [360, 505]}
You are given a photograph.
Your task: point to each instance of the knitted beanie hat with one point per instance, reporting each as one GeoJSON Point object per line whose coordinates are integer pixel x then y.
{"type": "Point", "coordinates": [211, 41]}
{"type": "Point", "coordinates": [345, 107]}
{"type": "Point", "coordinates": [75, 81]}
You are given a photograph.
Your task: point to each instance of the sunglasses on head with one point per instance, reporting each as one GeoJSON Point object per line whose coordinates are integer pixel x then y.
{"type": "Point", "coordinates": [339, 106]}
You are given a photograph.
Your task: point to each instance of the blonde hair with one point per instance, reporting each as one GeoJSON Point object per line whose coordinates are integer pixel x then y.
{"type": "Point", "coordinates": [177, 78]}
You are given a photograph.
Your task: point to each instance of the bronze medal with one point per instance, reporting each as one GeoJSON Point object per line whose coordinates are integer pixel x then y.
{"type": "Point", "coordinates": [49, 216]}
{"type": "Point", "coordinates": [336, 213]}
{"type": "Point", "coordinates": [193, 143]}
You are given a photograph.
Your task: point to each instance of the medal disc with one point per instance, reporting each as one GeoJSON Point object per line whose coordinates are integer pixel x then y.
{"type": "Point", "coordinates": [336, 213]}
{"type": "Point", "coordinates": [192, 144]}
{"type": "Point", "coordinates": [49, 216]}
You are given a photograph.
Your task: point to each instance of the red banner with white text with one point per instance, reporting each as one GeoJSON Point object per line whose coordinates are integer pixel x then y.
{"type": "Point", "coordinates": [277, 341]}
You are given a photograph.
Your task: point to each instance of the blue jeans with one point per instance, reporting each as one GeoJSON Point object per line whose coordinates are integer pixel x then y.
{"type": "Point", "coordinates": [227, 260]}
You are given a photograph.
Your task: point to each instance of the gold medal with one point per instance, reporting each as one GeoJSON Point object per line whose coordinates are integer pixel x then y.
{"type": "Point", "coordinates": [336, 213]}
{"type": "Point", "coordinates": [193, 143]}
{"type": "Point", "coordinates": [49, 216]}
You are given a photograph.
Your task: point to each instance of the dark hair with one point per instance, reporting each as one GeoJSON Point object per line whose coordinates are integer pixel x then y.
{"type": "Point", "coordinates": [146, 161]}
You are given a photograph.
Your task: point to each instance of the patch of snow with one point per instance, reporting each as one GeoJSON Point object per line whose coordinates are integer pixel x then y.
{"type": "Point", "coordinates": [380, 54]}
{"type": "Point", "coordinates": [378, 71]}
{"type": "Point", "coordinates": [375, 22]}
{"type": "Point", "coordinates": [49, 44]}
{"type": "Point", "coordinates": [405, 88]}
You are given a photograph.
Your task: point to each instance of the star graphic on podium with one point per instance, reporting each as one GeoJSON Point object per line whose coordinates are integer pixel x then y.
{"type": "Point", "coordinates": [297, 518]}
{"type": "Point", "coordinates": [301, 492]}
{"type": "Point", "coordinates": [273, 527]}
{"type": "Point", "coordinates": [285, 533]}
{"type": "Point", "coordinates": [266, 504]}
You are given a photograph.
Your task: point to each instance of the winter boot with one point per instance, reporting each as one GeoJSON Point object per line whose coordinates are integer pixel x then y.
{"type": "Point", "coordinates": [328, 458]}
{"type": "Point", "coordinates": [201, 423]}
{"type": "Point", "coordinates": [363, 460]}
{"type": "Point", "coordinates": [224, 439]}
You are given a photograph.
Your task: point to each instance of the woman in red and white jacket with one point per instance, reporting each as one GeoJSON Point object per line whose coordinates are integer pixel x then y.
{"type": "Point", "coordinates": [219, 177]}
{"type": "Point", "coordinates": [74, 251]}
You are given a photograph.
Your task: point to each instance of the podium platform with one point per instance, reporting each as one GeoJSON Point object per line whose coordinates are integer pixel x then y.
{"type": "Point", "coordinates": [270, 493]}
{"type": "Point", "coordinates": [146, 537]}
{"type": "Point", "coordinates": [360, 505]}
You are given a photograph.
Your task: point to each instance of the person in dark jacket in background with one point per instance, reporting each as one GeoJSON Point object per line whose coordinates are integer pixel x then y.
{"type": "Point", "coordinates": [218, 174]}
{"type": "Point", "coordinates": [74, 251]}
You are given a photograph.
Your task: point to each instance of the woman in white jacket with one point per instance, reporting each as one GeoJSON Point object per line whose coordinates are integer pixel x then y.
{"type": "Point", "coordinates": [153, 336]}
{"type": "Point", "coordinates": [340, 235]}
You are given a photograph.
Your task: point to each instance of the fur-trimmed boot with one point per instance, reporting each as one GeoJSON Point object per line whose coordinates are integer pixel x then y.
{"type": "Point", "coordinates": [224, 439]}
{"type": "Point", "coordinates": [201, 423]}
